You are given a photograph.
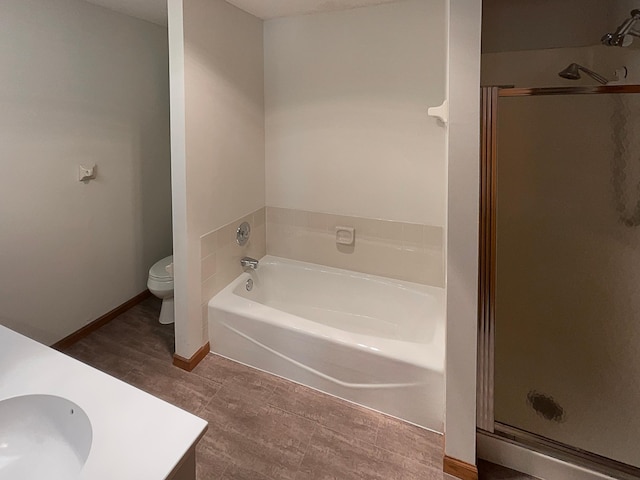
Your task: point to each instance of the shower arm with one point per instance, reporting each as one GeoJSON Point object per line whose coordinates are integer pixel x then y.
{"type": "Point", "coordinates": [629, 26]}
{"type": "Point", "coordinates": [594, 75]}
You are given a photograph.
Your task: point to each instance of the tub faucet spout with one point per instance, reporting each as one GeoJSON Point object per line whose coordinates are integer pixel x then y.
{"type": "Point", "coordinates": [249, 262]}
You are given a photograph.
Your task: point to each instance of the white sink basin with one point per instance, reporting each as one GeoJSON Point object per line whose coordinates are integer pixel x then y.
{"type": "Point", "coordinates": [42, 436]}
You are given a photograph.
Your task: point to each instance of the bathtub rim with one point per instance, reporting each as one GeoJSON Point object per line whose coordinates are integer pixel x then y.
{"type": "Point", "coordinates": [429, 355]}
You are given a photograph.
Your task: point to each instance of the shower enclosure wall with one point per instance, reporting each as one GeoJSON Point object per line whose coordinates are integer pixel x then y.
{"type": "Point", "coordinates": [560, 249]}
{"type": "Point", "coordinates": [313, 128]}
{"type": "Point", "coordinates": [349, 145]}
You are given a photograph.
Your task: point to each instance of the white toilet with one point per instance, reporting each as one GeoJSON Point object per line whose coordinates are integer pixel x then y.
{"type": "Point", "coordinates": [161, 285]}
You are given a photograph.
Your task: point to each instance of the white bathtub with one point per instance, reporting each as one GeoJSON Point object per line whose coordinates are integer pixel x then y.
{"type": "Point", "coordinates": [371, 340]}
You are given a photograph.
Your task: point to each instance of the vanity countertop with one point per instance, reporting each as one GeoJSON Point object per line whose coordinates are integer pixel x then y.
{"type": "Point", "coordinates": [135, 435]}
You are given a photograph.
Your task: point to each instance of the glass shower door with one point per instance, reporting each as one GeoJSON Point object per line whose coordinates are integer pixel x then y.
{"type": "Point", "coordinates": [567, 272]}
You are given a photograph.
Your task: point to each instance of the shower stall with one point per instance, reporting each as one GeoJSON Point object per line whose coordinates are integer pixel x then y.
{"type": "Point", "coordinates": [559, 302]}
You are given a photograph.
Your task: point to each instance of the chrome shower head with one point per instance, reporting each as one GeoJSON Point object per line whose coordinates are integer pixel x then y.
{"type": "Point", "coordinates": [623, 36]}
{"type": "Point", "coordinates": [572, 72]}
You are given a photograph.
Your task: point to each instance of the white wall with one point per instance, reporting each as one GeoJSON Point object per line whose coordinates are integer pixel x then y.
{"type": "Point", "coordinates": [225, 112]}
{"type": "Point", "coordinates": [346, 95]}
{"type": "Point", "coordinates": [217, 66]}
{"type": "Point", "coordinates": [551, 47]}
{"type": "Point", "coordinates": [510, 26]}
{"type": "Point", "coordinates": [188, 336]}
{"type": "Point", "coordinates": [620, 10]}
{"type": "Point", "coordinates": [80, 85]}
{"type": "Point", "coordinates": [537, 24]}
{"type": "Point", "coordinates": [539, 68]}
{"type": "Point", "coordinates": [462, 229]}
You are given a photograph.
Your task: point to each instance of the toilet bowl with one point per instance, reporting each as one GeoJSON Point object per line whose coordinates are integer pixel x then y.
{"type": "Point", "coordinates": [160, 283]}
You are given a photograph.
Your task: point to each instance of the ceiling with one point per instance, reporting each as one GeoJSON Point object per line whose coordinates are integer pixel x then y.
{"type": "Point", "coordinates": [151, 10]}
{"type": "Point", "coordinates": [156, 10]}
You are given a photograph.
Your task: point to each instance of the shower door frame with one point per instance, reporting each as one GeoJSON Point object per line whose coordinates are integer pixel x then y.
{"type": "Point", "coordinates": [485, 415]}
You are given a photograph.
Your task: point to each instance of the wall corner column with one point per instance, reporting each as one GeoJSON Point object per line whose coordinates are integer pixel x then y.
{"type": "Point", "coordinates": [186, 250]}
{"type": "Point", "coordinates": [463, 169]}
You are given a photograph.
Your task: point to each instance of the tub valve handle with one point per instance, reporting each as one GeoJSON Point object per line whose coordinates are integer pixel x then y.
{"type": "Point", "coordinates": [248, 262]}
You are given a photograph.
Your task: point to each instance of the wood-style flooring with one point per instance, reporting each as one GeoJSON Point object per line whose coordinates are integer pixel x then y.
{"type": "Point", "coordinates": [261, 427]}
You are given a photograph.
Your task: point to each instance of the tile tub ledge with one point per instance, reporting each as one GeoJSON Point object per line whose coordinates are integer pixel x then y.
{"type": "Point", "coordinates": [135, 435]}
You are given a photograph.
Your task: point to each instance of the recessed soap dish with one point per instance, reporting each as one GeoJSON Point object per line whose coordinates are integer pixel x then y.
{"type": "Point", "coordinates": [345, 235]}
